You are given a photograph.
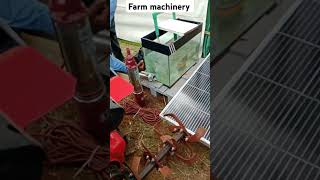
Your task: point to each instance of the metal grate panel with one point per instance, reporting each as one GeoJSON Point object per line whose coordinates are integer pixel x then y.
{"type": "Point", "coordinates": [192, 103]}
{"type": "Point", "coordinates": [267, 123]}
{"type": "Point", "coordinates": [304, 24]}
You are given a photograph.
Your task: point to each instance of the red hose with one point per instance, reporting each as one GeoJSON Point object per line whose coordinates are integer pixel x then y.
{"type": "Point", "coordinates": [66, 143]}
{"type": "Point", "coordinates": [148, 115]}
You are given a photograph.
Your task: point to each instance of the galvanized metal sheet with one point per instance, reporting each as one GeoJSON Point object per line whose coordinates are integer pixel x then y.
{"type": "Point", "coordinates": [192, 103]}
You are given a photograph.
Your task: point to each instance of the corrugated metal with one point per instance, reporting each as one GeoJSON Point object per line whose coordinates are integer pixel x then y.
{"type": "Point", "coordinates": [267, 123]}
{"type": "Point", "coordinates": [192, 103]}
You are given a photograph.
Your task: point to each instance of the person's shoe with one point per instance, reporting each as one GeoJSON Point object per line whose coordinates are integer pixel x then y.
{"type": "Point", "coordinates": [139, 57]}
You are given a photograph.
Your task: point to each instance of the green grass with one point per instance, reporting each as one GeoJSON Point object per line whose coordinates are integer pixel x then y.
{"type": "Point", "coordinates": [129, 42]}
{"type": "Point", "coordinates": [134, 46]}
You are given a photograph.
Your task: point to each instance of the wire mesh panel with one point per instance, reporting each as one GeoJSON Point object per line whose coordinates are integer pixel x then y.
{"type": "Point", "coordinates": [267, 125]}
{"type": "Point", "coordinates": [192, 103]}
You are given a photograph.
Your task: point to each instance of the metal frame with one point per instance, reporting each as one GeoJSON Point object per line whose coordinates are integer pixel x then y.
{"type": "Point", "coordinates": [203, 140]}
{"type": "Point", "coordinates": [289, 102]}
{"type": "Point", "coordinates": [219, 98]}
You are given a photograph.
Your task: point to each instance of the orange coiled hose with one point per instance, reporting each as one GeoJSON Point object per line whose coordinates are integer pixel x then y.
{"type": "Point", "coordinates": [66, 143]}
{"type": "Point", "coordinates": [148, 115]}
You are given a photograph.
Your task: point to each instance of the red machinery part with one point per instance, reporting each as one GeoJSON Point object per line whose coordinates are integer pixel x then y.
{"type": "Point", "coordinates": [79, 52]}
{"type": "Point", "coordinates": [117, 148]}
{"type": "Point", "coordinates": [133, 73]}
{"type": "Point", "coordinates": [130, 61]}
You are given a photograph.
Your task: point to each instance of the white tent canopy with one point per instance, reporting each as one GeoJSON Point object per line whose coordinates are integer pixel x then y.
{"type": "Point", "coordinates": [133, 26]}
